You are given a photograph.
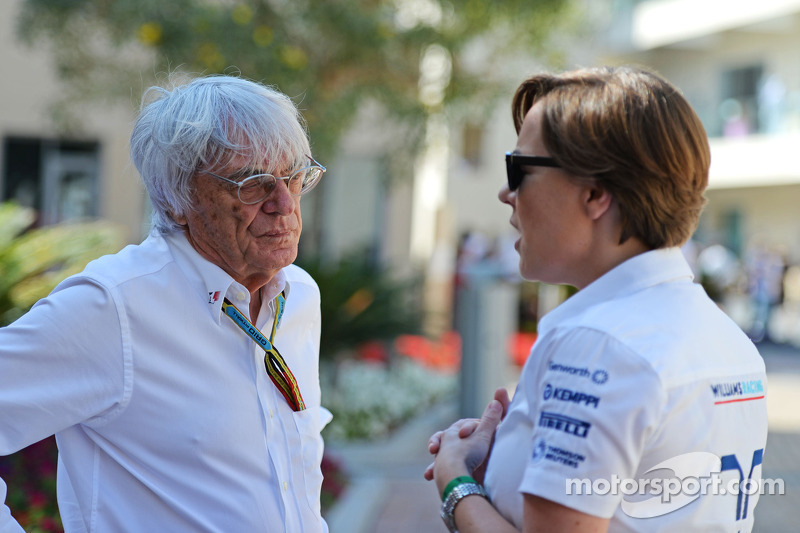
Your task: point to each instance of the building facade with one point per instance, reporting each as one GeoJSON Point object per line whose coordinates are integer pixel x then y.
{"type": "Point", "coordinates": [65, 176]}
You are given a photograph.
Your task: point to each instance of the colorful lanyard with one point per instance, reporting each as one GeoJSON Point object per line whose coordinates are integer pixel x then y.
{"type": "Point", "coordinates": [276, 367]}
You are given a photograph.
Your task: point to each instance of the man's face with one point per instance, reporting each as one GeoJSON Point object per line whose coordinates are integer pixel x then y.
{"type": "Point", "coordinates": [249, 242]}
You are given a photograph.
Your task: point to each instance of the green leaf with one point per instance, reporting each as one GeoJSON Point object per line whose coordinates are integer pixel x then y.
{"type": "Point", "coordinates": [33, 262]}
{"type": "Point", "coordinates": [362, 302]}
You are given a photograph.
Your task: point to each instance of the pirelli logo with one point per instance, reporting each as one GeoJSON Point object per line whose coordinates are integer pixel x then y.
{"type": "Point", "coordinates": [573, 426]}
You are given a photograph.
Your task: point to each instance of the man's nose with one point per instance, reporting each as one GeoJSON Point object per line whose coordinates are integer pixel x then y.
{"type": "Point", "coordinates": [280, 200]}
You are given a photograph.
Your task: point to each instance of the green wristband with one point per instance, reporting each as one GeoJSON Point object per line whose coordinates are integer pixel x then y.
{"type": "Point", "coordinates": [454, 483]}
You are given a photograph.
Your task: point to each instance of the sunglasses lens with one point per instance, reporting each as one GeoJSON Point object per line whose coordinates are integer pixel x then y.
{"type": "Point", "coordinates": [515, 174]}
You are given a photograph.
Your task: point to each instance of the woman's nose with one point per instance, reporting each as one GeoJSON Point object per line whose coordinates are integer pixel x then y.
{"type": "Point", "coordinates": [505, 195]}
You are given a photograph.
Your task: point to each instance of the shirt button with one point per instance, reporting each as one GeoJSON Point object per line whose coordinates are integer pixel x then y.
{"type": "Point", "coordinates": [271, 413]}
{"type": "Point", "coordinates": [285, 486]}
{"type": "Point", "coordinates": [240, 296]}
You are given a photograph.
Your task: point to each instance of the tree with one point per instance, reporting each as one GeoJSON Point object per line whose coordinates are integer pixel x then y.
{"type": "Point", "coordinates": [413, 58]}
{"type": "Point", "coordinates": [332, 56]}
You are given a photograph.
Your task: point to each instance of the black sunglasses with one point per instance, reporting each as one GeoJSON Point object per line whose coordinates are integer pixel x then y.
{"type": "Point", "coordinates": [515, 162]}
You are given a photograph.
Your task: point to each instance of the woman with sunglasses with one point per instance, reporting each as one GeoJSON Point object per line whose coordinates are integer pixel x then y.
{"type": "Point", "coordinates": [642, 405]}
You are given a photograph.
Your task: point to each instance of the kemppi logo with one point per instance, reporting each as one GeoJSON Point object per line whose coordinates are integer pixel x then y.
{"type": "Point", "coordinates": [567, 395]}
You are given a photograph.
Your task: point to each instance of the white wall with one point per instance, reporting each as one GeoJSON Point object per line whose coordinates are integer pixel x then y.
{"type": "Point", "coordinates": [27, 88]}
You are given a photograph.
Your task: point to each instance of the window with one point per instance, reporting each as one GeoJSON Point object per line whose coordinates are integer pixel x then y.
{"type": "Point", "coordinates": [472, 138]}
{"type": "Point", "coordinates": [738, 108]}
{"type": "Point", "coordinates": [57, 178]}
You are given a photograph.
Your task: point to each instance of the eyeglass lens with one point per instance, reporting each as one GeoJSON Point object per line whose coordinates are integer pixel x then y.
{"type": "Point", "coordinates": [259, 187]}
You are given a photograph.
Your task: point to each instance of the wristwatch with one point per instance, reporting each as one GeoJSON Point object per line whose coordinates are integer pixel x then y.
{"type": "Point", "coordinates": [456, 495]}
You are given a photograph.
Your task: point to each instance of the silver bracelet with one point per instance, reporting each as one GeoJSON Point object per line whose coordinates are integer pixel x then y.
{"type": "Point", "coordinates": [456, 495]}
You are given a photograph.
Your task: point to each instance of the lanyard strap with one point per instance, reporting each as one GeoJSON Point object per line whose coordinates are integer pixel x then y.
{"type": "Point", "coordinates": [276, 367]}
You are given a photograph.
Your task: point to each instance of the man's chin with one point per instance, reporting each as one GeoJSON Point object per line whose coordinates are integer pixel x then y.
{"type": "Point", "coordinates": [282, 257]}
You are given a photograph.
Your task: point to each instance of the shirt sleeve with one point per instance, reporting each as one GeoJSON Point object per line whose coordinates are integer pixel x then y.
{"type": "Point", "coordinates": [7, 522]}
{"type": "Point", "coordinates": [598, 403]}
{"type": "Point", "coordinates": [61, 364]}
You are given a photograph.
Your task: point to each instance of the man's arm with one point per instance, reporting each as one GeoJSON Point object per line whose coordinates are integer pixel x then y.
{"type": "Point", "coordinates": [60, 364]}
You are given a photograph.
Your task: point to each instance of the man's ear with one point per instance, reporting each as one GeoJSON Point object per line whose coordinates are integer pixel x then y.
{"type": "Point", "coordinates": [597, 200]}
{"type": "Point", "coordinates": [179, 219]}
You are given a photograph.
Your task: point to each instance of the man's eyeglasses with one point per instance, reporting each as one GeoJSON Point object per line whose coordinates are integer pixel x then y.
{"type": "Point", "coordinates": [256, 188]}
{"type": "Point", "coordinates": [515, 162]}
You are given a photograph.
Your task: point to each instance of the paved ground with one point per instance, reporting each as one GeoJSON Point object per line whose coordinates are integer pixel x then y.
{"type": "Point", "coordinates": [781, 513]}
{"type": "Point", "coordinates": [389, 495]}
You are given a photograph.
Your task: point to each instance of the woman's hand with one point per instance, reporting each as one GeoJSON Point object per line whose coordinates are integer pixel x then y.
{"type": "Point", "coordinates": [464, 447]}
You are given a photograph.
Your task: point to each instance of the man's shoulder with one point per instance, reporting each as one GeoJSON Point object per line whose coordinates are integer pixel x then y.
{"type": "Point", "coordinates": [132, 262]}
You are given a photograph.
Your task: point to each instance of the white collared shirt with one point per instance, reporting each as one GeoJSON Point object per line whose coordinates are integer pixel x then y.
{"type": "Point", "coordinates": [638, 368]}
{"type": "Point", "coordinates": [165, 417]}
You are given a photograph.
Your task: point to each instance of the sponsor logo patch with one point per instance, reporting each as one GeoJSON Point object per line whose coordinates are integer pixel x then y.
{"type": "Point", "coordinates": [737, 391]}
{"type": "Point", "coordinates": [544, 452]}
{"type": "Point", "coordinates": [569, 425]}
{"type": "Point", "coordinates": [567, 395]}
{"type": "Point", "coordinates": [539, 449]}
{"type": "Point", "coordinates": [598, 376]}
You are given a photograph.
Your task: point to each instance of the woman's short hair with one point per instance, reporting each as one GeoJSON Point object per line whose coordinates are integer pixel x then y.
{"type": "Point", "coordinates": [636, 134]}
{"type": "Point", "coordinates": [203, 124]}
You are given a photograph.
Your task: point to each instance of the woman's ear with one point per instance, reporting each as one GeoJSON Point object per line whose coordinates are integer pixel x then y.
{"type": "Point", "coordinates": [597, 200]}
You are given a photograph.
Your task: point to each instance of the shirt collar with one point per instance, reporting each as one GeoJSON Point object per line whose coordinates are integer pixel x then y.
{"type": "Point", "coordinates": [637, 273]}
{"type": "Point", "coordinates": [212, 283]}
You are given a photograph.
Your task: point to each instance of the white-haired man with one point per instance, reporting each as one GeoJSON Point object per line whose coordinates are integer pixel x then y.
{"type": "Point", "coordinates": [180, 376]}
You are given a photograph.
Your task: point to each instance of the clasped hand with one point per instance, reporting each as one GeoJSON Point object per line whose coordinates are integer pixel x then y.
{"type": "Point", "coordinates": [464, 447]}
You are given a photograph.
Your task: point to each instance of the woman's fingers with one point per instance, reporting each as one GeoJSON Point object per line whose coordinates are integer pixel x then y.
{"type": "Point", "coordinates": [501, 395]}
{"type": "Point", "coordinates": [468, 428]}
{"type": "Point", "coordinates": [434, 442]}
{"type": "Point", "coordinates": [428, 474]}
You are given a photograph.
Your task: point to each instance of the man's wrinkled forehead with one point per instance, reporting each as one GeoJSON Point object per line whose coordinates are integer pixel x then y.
{"type": "Point", "coordinates": [249, 163]}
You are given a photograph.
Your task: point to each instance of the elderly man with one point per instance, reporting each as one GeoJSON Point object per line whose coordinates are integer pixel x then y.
{"type": "Point", "coordinates": [180, 376]}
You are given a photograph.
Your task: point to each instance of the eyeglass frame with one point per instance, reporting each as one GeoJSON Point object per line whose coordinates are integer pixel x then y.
{"type": "Point", "coordinates": [514, 161]}
{"type": "Point", "coordinates": [239, 184]}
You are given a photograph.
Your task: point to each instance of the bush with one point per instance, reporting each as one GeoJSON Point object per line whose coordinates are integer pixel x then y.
{"type": "Point", "coordinates": [362, 302]}
{"type": "Point", "coordinates": [368, 400]}
{"type": "Point", "coordinates": [31, 479]}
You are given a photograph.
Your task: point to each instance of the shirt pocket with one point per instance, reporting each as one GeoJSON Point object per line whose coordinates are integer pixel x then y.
{"type": "Point", "coordinates": [309, 424]}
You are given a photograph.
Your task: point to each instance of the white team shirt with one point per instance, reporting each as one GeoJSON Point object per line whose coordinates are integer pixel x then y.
{"type": "Point", "coordinates": [165, 417]}
{"type": "Point", "coordinates": [638, 368]}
